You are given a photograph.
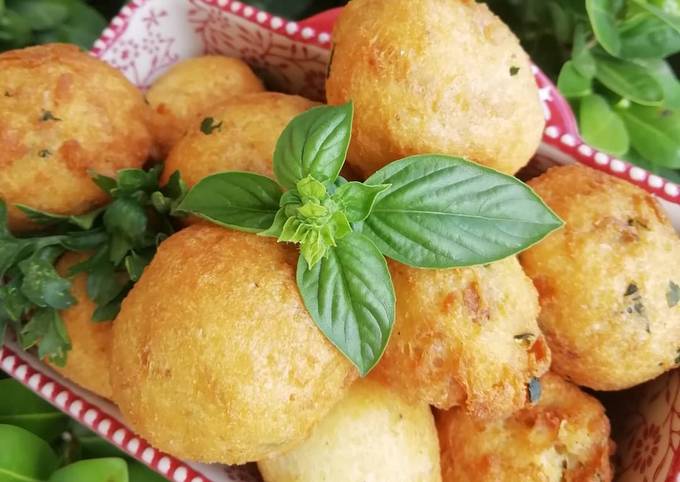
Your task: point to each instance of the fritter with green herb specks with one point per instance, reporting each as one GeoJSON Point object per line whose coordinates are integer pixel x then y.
{"type": "Point", "coordinates": [63, 114]}
{"type": "Point", "coordinates": [608, 282]}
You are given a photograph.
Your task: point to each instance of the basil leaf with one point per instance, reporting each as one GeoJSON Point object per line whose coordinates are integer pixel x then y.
{"type": "Point", "coordinates": [357, 199]}
{"type": "Point", "coordinates": [572, 83]}
{"type": "Point", "coordinates": [83, 221]}
{"type": "Point", "coordinates": [40, 14]}
{"type": "Point", "coordinates": [83, 26]}
{"type": "Point", "coordinates": [135, 264]}
{"type": "Point", "coordinates": [105, 183]}
{"type": "Point", "coordinates": [19, 406]}
{"type": "Point", "coordinates": [672, 21]}
{"type": "Point", "coordinates": [314, 144]}
{"type": "Point", "coordinates": [350, 296]}
{"type": "Point", "coordinates": [118, 248]}
{"type": "Point", "coordinates": [10, 250]}
{"type": "Point", "coordinates": [15, 30]}
{"type": "Point", "coordinates": [127, 218]}
{"type": "Point", "coordinates": [444, 212]}
{"type": "Point", "coordinates": [93, 470]}
{"type": "Point", "coordinates": [24, 456]}
{"type": "Point", "coordinates": [645, 36]}
{"type": "Point", "coordinates": [581, 56]}
{"type": "Point", "coordinates": [131, 180]}
{"type": "Point", "coordinates": [46, 328]}
{"type": "Point", "coordinates": [103, 284]}
{"type": "Point", "coordinates": [275, 230]}
{"type": "Point", "coordinates": [13, 303]}
{"type": "Point", "coordinates": [238, 200]}
{"type": "Point", "coordinates": [602, 15]}
{"type": "Point", "coordinates": [85, 240]}
{"type": "Point", "coordinates": [43, 286]}
{"type": "Point", "coordinates": [4, 221]}
{"type": "Point", "coordinates": [654, 133]}
{"type": "Point", "coordinates": [664, 75]}
{"type": "Point", "coordinates": [628, 80]}
{"type": "Point", "coordinates": [107, 312]}
{"type": "Point", "coordinates": [601, 126]}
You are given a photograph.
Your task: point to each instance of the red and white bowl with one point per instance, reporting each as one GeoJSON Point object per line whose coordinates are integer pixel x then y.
{"type": "Point", "coordinates": [148, 36]}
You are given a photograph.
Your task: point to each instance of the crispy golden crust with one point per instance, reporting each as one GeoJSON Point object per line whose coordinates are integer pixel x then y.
{"type": "Point", "coordinates": [215, 358]}
{"type": "Point", "coordinates": [433, 76]}
{"type": "Point", "coordinates": [250, 126]}
{"type": "Point", "coordinates": [465, 336]}
{"type": "Point", "coordinates": [604, 279]}
{"type": "Point", "coordinates": [89, 358]}
{"type": "Point", "coordinates": [372, 434]}
{"type": "Point", "coordinates": [63, 113]}
{"type": "Point", "coordinates": [563, 438]}
{"type": "Point", "coordinates": [191, 87]}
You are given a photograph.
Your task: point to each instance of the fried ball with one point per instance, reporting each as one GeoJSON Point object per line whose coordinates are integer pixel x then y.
{"type": "Point", "coordinates": [192, 87]}
{"type": "Point", "coordinates": [62, 114]}
{"type": "Point", "coordinates": [88, 361]}
{"type": "Point", "coordinates": [563, 438]}
{"type": "Point", "coordinates": [443, 76]}
{"type": "Point", "coordinates": [608, 282]}
{"type": "Point", "coordinates": [215, 357]}
{"type": "Point", "coordinates": [241, 137]}
{"type": "Point", "coordinates": [465, 337]}
{"type": "Point", "coordinates": [372, 434]}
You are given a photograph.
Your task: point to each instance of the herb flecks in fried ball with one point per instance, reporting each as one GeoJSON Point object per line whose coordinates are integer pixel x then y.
{"type": "Point", "coordinates": [443, 76]}
{"type": "Point", "coordinates": [192, 87]}
{"type": "Point", "coordinates": [465, 337]}
{"type": "Point", "coordinates": [372, 434]}
{"type": "Point", "coordinates": [606, 280]}
{"type": "Point", "coordinates": [64, 113]}
{"type": "Point", "coordinates": [215, 357]}
{"type": "Point", "coordinates": [238, 135]}
{"type": "Point", "coordinates": [563, 438]}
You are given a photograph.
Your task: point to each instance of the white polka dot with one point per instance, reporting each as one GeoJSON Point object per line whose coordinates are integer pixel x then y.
{"type": "Point", "coordinates": [637, 174]}
{"type": "Point", "coordinates": [324, 37]}
{"type": "Point", "coordinates": [133, 445]}
{"type": "Point", "coordinates": [8, 363]}
{"type": "Point", "coordinates": [552, 132]}
{"type": "Point", "coordinates": [117, 21]}
{"type": "Point", "coordinates": [61, 399]}
{"type": "Point", "coordinates": [276, 22]}
{"type": "Point", "coordinates": [164, 465]}
{"type": "Point", "coordinates": [672, 189]}
{"type": "Point", "coordinates": [585, 150]}
{"type": "Point", "coordinates": [236, 6]}
{"type": "Point", "coordinates": [618, 165]}
{"type": "Point", "coordinates": [148, 454]}
{"type": "Point", "coordinates": [48, 389]}
{"type": "Point", "coordinates": [655, 181]}
{"type": "Point", "coordinates": [222, 3]}
{"type": "Point", "coordinates": [261, 17]}
{"type": "Point", "coordinates": [34, 381]}
{"type": "Point", "coordinates": [104, 426]}
{"type": "Point", "coordinates": [197, 479]}
{"type": "Point", "coordinates": [677, 478]}
{"type": "Point", "coordinates": [568, 140]}
{"type": "Point", "coordinates": [119, 436]}
{"type": "Point", "coordinates": [76, 407]}
{"type": "Point", "coordinates": [307, 32]}
{"type": "Point", "coordinates": [90, 416]}
{"type": "Point", "coordinates": [108, 33]}
{"type": "Point", "coordinates": [180, 474]}
{"type": "Point", "coordinates": [291, 27]}
{"type": "Point", "coordinates": [99, 44]}
{"type": "Point", "coordinates": [21, 372]}
{"type": "Point", "coordinates": [126, 11]}
{"type": "Point", "coordinates": [534, 69]}
{"type": "Point", "coordinates": [602, 158]}
{"type": "Point", "coordinates": [248, 11]}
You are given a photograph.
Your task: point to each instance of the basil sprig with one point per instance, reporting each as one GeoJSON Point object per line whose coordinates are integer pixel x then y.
{"type": "Point", "coordinates": [428, 211]}
{"type": "Point", "coordinates": [122, 237]}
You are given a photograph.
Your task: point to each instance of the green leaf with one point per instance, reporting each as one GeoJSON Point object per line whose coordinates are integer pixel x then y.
{"type": "Point", "coordinates": [107, 312]}
{"type": "Point", "coordinates": [581, 56]}
{"type": "Point", "coordinates": [83, 221]}
{"type": "Point", "coordinates": [275, 230]}
{"type": "Point", "coordinates": [601, 127]}
{"type": "Point", "coordinates": [646, 36]}
{"type": "Point", "coordinates": [24, 457]}
{"type": "Point", "coordinates": [46, 328]}
{"type": "Point", "coordinates": [238, 200]}
{"type": "Point", "coordinates": [628, 80]}
{"type": "Point", "coordinates": [103, 284]}
{"type": "Point", "coordinates": [444, 212]}
{"type": "Point", "coordinates": [314, 144]}
{"type": "Point", "coordinates": [349, 295]}
{"type": "Point", "coordinates": [85, 240]}
{"type": "Point", "coordinates": [93, 470]}
{"type": "Point", "coordinates": [664, 75]}
{"type": "Point", "coordinates": [357, 199]}
{"type": "Point", "coordinates": [131, 180]}
{"type": "Point", "coordinates": [4, 221]}
{"type": "Point", "coordinates": [10, 251]}
{"type": "Point", "coordinates": [135, 264]}
{"type": "Point", "coordinates": [119, 247]}
{"type": "Point", "coordinates": [83, 26]}
{"type": "Point", "coordinates": [40, 14]}
{"type": "Point", "coordinates": [654, 133]}
{"type": "Point", "coordinates": [672, 21]}
{"type": "Point", "coordinates": [21, 407]}
{"type": "Point", "coordinates": [126, 217]}
{"type": "Point", "coordinates": [15, 30]}
{"type": "Point", "coordinates": [43, 286]}
{"type": "Point", "coordinates": [141, 473]}
{"type": "Point", "coordinates": [602, 15]}
{"type": "Point", "coordinates": [572, 83]}
{"type": "Point", "coordinates": [105, 183]}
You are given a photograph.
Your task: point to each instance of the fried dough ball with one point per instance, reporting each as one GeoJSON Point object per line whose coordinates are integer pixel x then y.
{"type": "Point", "coordinates": [242, 136]}
{"type": "Point", "coordinates": [465, 337]}
{"type": "Point", "coordinates": [62, 114]}
{"type": "Point", "coordinates": [372, 434]}
{"type": "Point", "coordinates": [192, 87]}
{"type": "Point", "coordinates": [608, 282]}
{"type": "Point", "coordinates": [443, 76]}
{"type": "Point", "coordinates": [88, 361]}
{"type": "Point", "coordinates": [563, 438]}
{"type": "Point", "coordinates": [215, 357]}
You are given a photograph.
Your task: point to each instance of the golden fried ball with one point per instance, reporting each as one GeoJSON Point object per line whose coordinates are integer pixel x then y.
{"type": "Point", "coordinates": [373, 434]}
{"type": "Point", "coordinates": [563, 438]}
{"type": "Point", "coordinates": [215, 358]}
{"type": "Point", "coordinates": [88, 361]}
{"type": "Point", "coordinates": [192, 87]}
{"type": "Point", "coordinates": [242, 138]}
{"type": "Point", "coordinates": [443, 76]}
{"type": "Point", "coordinates": [465, 337]}
{"type": "Point", "coordinates": [62, 114]}
{"type": "Point", "coordinates": [608, 282]}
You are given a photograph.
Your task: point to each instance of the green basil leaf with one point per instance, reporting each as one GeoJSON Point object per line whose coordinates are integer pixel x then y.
{"type": "Point", "coordinates": [445, 212]}
{"type": "Point", "coordinates": [43, 286]}
{"type": "Point", "coordinates": [572, 83]}
{"type": "Point", "coordinates": [238, 200]}
{"type": "Point", "coordinates": [672, 21]}
{"type": "Point", "coordinates": [601, 126]}
{"type": "Point", "coordinates": [24, 457]}
{"type": "Point", "coordinates": [357, 199]}
{"type": "Point", "coordinates": [40, 14]}
{"type": "Point", "coordinates": [664, 75]}
{"type": "Point", "coordinates": [119, 247]}
{"type": "Point", "coordinates": [141, 473]}
{"type": "Point", "coordinates": [654, 133]}
{"type": "Point", "coordinates": [126, 217]}
{"type": "Point", "coordinates": [83, 221]}
{"type": "Point", "coordinates": [10, 251]}
{"type": "Point", "coordinates": [628, 80]}
{"type": "Point", "coordinates": [314, 144]}
{"type": "Point", "coordinates": [636, 158]}
{"type": "Point", "coordinates": [602, 15]}
{"type": "Point", "coordinates": [93, 470]}
{"type": "Point", "coordinates": [92, 446]}
{"type": "Point", "coordinates": [135, 264]}
{"type": "Point", "coordinates": [105, 183]}
{"type": "Point", "coordinates": [350, 296]}
{"type": "Point", "coordinates": [103, 284]}
{"type": "Point", "coordinates": [107, 312]}
{"type": "Point", "coordinates": [4, 221]}
{"type": "Point", "coordinates": [13, 303]}
{"type": "Point", "coordinates": [85, 240]}
{"type": "Point", "coordinates": [581, 56]}
{"type": "Point", "coordinates": [15, 30]}
{"type": "Point", "coordinates": [131, 180]}
{"type": "Point", "coordinates": [21, 407]}
{"type": "Point", "coordinates": [83, 26]}
{"type": "Point", "coordinates": [275, 230]}
{"type": "Point", "coordinates": [646, 36]}
{"type": "Point", "coordinates": [46, 328]}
